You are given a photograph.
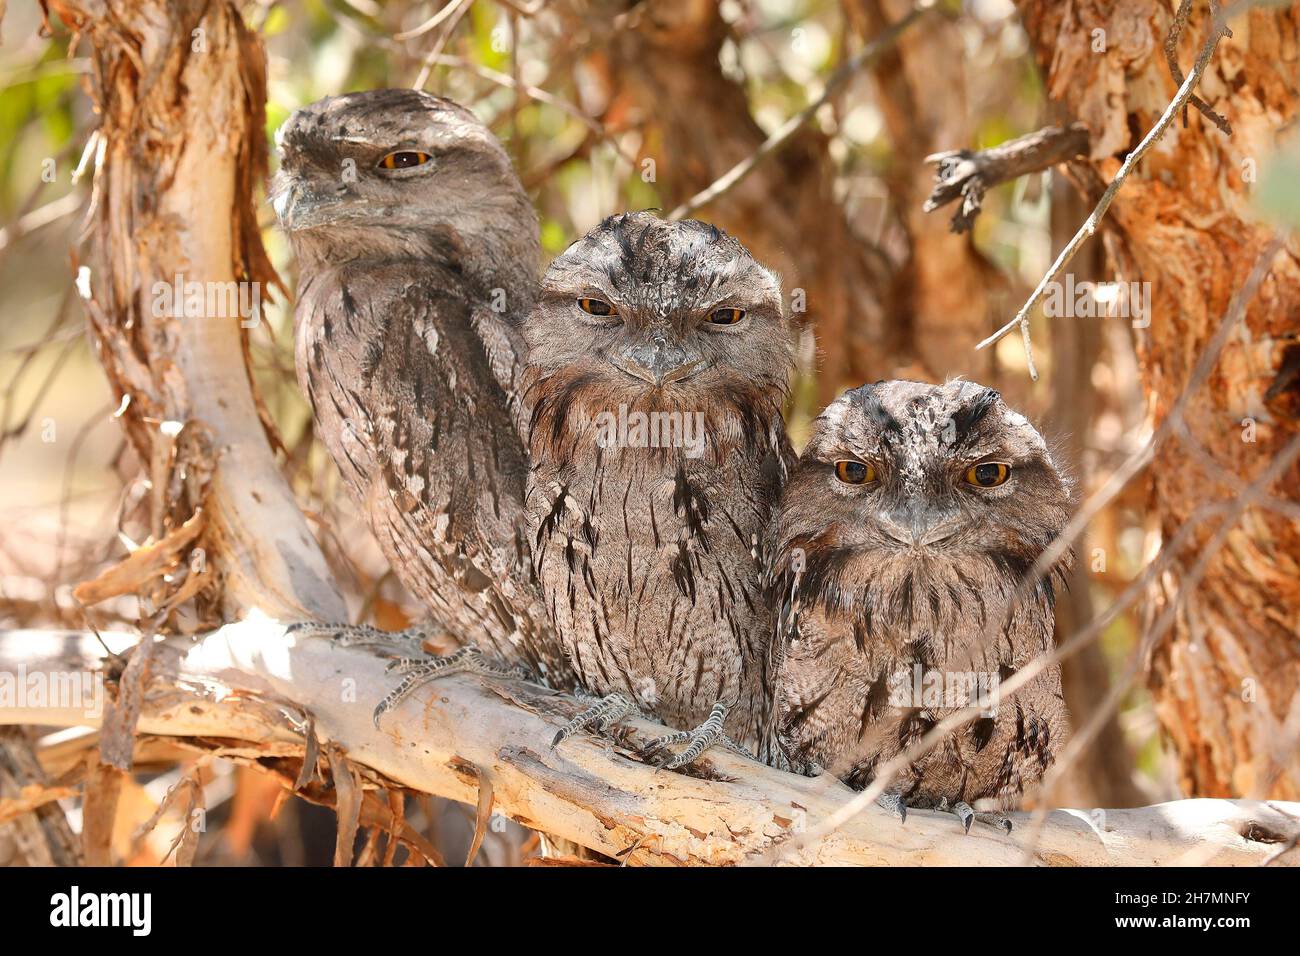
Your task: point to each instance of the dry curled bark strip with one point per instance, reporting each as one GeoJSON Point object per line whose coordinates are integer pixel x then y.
{"type": "Point", "coordinates": [968, 174]}
{"type": "Point", "coordinates": [347, 787]}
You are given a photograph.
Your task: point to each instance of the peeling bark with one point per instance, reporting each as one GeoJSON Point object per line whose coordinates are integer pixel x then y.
{"type": "Point", "coordinates": [1227, 678]}
{"type": "Point", "coordinates": [180, 93]}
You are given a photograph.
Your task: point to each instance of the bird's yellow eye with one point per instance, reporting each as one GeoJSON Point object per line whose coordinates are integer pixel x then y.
{"type": "Point", "coordinates": [404, 159]}
{"type": "Point", "coordinates": [854, 472]}
{"type": "Point", "coordinates": [595, 307]}
{"type": "Point", "coordinates": [726, 316]}
{"type": "Point", "coordinates": [989, 474]}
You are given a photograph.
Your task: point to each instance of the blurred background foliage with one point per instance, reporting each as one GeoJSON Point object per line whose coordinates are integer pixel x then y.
{"type": "Point", "coordinates": [579, 146]}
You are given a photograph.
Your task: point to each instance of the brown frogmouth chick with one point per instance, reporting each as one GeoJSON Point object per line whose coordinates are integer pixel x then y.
{"type": "Point", "coordinates": [659, 356]}
{"type": "Point", "coordinates": [901, 537]}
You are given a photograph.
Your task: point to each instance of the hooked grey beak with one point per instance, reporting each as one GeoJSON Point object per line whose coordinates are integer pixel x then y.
{"type": "Point", "coordinates": [919, 525]}
{"type": "Point", "coordinates": [659, 361]}
{"type": "Point", "coordinates": [298, 207]}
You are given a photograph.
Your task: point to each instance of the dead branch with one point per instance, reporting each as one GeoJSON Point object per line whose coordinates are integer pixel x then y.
{"type": "Point", "coordinates": [245, 682]}
{"type": "Point", "coordinates": [1218, 30]}
{"type": "Point", "coordinates": [969, 174]}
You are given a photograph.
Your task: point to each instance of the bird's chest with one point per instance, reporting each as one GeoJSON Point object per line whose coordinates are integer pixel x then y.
{"type": "Point", "coordinates": [648, 575]}
{"type": "Point", "coordinates": [862, 682]}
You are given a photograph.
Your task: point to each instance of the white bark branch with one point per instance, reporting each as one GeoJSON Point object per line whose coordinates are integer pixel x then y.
{"type": "Point", "coordinates": [441, 740]}
{"type": "Point", "coordinates": [180, 96]}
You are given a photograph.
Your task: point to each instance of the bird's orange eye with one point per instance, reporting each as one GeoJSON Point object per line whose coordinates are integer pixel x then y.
{"type": "Point", "coordinates": [988, 474]}
{"type": "Point", "coordinates": [854, 472]}
{"type": "Point", "coordinates": [404, 159]}
{"type": "Point", "coordinates": [595, 307]}
{"type": "Point", "coordinates": [726, 316]}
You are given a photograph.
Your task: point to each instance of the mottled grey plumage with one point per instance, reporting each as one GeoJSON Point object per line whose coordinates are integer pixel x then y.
{"type": "Point", "coordinates": [411, 273]}
{"type": "Point", "coordinates": [886, 586]}
{"type": "Point", "coordinates": [645, 554]}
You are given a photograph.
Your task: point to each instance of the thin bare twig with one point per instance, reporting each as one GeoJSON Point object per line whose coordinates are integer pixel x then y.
{"type": "Point", "coordinates": [42, 216]}
{"type": "Point", "coordinates": [541, 96]}
{"type": "Point", "coordinates": [426, 68]}
{"type": "Point", "coordinates": [433, 21]}
{"type": "Point", "coordinates": [1218, 30]}
{"type": "Point", "coordinates": [1171, 56]}
{"type": "Point", "coordinates": [868, 54]}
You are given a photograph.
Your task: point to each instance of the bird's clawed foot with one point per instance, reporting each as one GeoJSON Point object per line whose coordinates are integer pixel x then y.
{"type": "Point", "coordinates": [963, 812]}
{"type": "Point", "coordinates": [393, 643]}
{"type": "Point", "coordinates": [407, 649]}
{"type": "Point", "coordinates": [893, 803]}
{"type": "Point", "coordinates": [600, 716]}
{"type": "Point", "coordinates": [897, 805]}
{"type": "Point", "coordinates": [403, 646]}
{"type": "Point", "coordinates": [698, 740]}
{"type": "Point", "coordinates": [421, 670]}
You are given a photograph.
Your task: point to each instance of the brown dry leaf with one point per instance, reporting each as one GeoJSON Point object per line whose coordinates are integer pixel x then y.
{"type": "Point", "coordinates": [565, 861]}
{"type": "Point", "coordinates": [312, 757]}
{"type": "Point", "coordinates": [347, 805]}
{"type": "Point", "coordinates": [370, 851]}
{"type": "Point", "coordinates": [132, 574]}
{"type": "Point", "coordinates": [482, 815]}
{"type": "Point", "coordinates": [375, 812]}
{"type": "Point", "coordinates": [187, 838]}
{"type": "Point", "coordinates": [397, 805]}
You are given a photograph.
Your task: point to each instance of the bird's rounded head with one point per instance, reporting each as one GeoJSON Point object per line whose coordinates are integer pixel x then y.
{"type": "Point", "coordinates": [399, 173]}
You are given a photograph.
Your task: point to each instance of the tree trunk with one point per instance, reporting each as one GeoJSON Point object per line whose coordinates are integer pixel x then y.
{"type": "Point", "coordinates": [946, 282]}
{"type": "Point", "coordinates": [1103, 775]}
{"type": "Point", "coordinates": [173, 278]}
{"type": "Point", "coordinates": [1225, 678]}
{"type": "Point", "coordinates": [180, 90]}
